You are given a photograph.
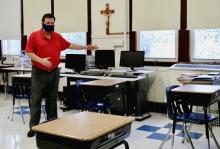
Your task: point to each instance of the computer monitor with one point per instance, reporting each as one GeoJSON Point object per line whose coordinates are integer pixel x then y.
{"type": "Point", "coordinates": [104, 59]}
{"type": "Point", "coordinates": [132, 59]}
{"type": "Point", "coordinates": [77, 62]}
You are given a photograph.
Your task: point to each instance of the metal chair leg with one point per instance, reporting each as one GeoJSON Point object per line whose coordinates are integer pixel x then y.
{"type": "Point", "coordinates": [173, 132]}
{"type": "Point", "coordinates": [21, 111]}
{"type": "Point", "coordinates": [185, 136]}
{"type": "Point", "coordinates": [13, 109]}
{"type": "Point", "coordinates": [165, 139]}
{"type": "Point", "coordinates": [6, 85]}
{"type": "Point", "coordinates": [216, 142]}
{"type": "Point", "coordinates": [108, 111]}
{"type": "Point", "coordinates": [172, 144]}
{"type": "Point", "coordinates": [12, 114]}
{"type": "Point", "coordinates": [208, 143]}
{"type": "Point", "coordinates": [187, 133]}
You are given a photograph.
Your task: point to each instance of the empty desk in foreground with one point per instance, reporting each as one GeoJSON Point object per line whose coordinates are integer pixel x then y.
{"type": "Point", "coordinates": [85, 130]}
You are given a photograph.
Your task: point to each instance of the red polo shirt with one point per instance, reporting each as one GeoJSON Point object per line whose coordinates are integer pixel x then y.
{"type": "Point", "coordinates": [43, 47]}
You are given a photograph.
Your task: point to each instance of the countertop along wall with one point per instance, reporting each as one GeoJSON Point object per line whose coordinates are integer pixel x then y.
{"type": "Point", "coordinates": [165, 76]}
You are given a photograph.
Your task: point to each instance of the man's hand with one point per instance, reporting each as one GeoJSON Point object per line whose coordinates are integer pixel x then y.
{"type": "Point", "coordinates": [46, 62]}
{"type": "Point", "coordinates": [91, 47]}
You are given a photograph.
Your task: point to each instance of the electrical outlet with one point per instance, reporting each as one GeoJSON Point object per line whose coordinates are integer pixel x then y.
{"type": "Point", "coordinates": [118, 43]}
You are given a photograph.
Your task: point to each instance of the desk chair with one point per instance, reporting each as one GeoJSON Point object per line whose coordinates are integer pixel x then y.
{"type": "Point", "coordinates": [94, 103]}
{"type": "Point", "coordinates": [99, 104]}
{"type": "Point", "coordinates": [178, 110]}
{"type": "Point", "coordinates": [21, 91]}
{"type": "Point", "coordinates": [96, 99]}
{"type": "Point", "coordinates": [73, 97]}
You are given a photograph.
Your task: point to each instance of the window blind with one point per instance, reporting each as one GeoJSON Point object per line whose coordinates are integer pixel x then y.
{"type": "Point", "coordinates": [10, 16]}
{"type": "Point", "coordinates": [71, 15]}
{"type": "Point", "coordinates": [156, 15]}
{"type": "Point", "coordinates": [203, 14]}
{"type": "Point", "coordinates": [33, 12]}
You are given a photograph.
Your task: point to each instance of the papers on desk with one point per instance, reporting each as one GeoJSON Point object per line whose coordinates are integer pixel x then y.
{"type": "Point", "coordinates": [192, 77]}
{"type": "Point", "coordinates": [67, 71]}
{"type": "Point", "coordinates": [187, 77]}
{"type": "Point", "coordinates": [205, 78]}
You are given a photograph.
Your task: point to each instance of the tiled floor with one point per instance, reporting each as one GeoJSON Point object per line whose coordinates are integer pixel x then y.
{"type": "Point", "coordinates": [146, 134]}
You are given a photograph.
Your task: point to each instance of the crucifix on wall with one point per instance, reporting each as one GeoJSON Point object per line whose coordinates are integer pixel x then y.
{"type": "Point", "coordinates": [108, 12]}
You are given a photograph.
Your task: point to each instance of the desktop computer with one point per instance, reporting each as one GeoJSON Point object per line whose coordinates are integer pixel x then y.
{"type": "Point", "coordinates": [104, 59]}
{"type": "Point", "coordinates": [77, 62]}
{"type": "Point", "coordinates": [132, 59]}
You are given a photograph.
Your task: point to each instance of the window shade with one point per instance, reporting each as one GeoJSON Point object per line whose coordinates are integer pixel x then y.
{"type": "Point", "coordinates": [156, 15]}
{"type": "Point", "coordinates": [33, 12]}
{"type": "Point", "coordinates": [10, 16]}
{"type": "Point", "coordinates": [203, 14]}
{"type": "Point", "coordinates": [71, 15]}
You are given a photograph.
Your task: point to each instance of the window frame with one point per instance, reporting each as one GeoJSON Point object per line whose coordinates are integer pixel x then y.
{"type": "Point", "coordinates": [63, 57]}
{"type": "Point", "coordinates": [147, 59]}
{"type": "Point", "coordinates": [192, 45]}
{"type": "Point", "coordinates": [10, 55]}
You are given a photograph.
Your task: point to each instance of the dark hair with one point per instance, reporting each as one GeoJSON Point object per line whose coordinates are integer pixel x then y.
{"type": "Point", "coordinates": [48, 15]}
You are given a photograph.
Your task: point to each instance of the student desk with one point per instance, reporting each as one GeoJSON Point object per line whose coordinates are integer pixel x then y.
{"type": "Point", "coordinates": [199, 95]}
{"type": "Point", "coordinates": [7, 70]}
{"type": "Point", "coordinates": [205, 82]}
{"type": "Point", "coordinates": [4, 75]}
{"type": "Point", "coordinates": [85, 130]}
{"type": "Point", "coordinates": [6, 65]}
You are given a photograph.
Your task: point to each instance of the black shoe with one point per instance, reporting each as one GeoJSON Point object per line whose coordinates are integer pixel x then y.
{"type": "Point", "coordinates": [31, 133]}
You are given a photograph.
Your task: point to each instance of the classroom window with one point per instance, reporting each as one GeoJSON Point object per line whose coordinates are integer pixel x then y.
{"type": "Point", "coordinates": [78, 38]}
{"type": "Point", "coordinates": [206, 45]}
{"type": "Point", "coordinates": [11, 47]}
{"type": "Point", "coordinates": [158, 45]}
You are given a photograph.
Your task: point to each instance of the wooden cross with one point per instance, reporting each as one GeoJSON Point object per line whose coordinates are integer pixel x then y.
{"type": "Point", "coordinates": [107, 12]}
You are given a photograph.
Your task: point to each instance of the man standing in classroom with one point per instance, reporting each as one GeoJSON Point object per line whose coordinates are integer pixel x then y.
{"type": "Point", "coordinates": [44, 47]}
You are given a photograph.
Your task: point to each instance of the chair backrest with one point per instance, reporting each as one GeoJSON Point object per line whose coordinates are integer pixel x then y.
{"type": "Point", "coordinates": [175, 105]}
{"type": "Point", "coordinates": [21, 90]}
{"type": "Point", "coordinates": [170, 108]}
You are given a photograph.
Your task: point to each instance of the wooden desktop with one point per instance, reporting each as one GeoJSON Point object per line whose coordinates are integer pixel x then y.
{"type": "Point", "coordinates": [86, 130]}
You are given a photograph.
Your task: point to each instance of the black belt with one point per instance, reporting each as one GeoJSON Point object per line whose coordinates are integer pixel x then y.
{"type": "Point", "coordinates": [52, 70]}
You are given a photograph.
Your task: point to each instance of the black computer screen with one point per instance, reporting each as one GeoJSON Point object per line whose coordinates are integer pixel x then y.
{"type": "Point", "coordinates": [104, 59]}
{"type": "Point", "coordinates": [132, 59]}
{"type": "Point", "coordinates": [76, 62]}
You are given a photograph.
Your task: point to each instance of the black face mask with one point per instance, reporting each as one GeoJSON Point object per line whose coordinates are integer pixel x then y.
{"type": "Point", "coordinates": [48, 28]}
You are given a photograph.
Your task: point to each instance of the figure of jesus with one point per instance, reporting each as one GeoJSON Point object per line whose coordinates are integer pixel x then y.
{"type": "Point", "coordinates": [107, 12]}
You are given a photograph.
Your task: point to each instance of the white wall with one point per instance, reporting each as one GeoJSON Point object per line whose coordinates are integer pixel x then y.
{"type": "Point", "coordinates": [118, 23]}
